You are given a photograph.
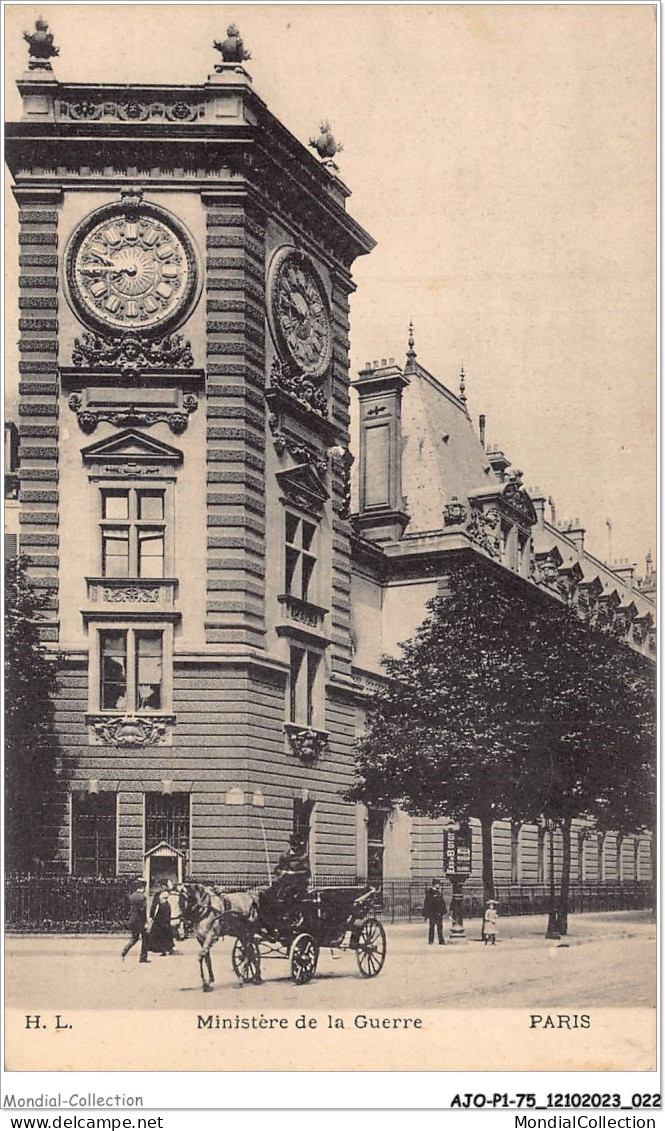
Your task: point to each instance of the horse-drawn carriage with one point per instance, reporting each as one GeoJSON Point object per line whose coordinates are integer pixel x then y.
{"type": "Point", "coordinates": [296, 929]}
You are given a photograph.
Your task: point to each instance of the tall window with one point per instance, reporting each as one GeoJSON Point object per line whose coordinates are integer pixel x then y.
{"type": "Point", "coordinates": [523, 553]}
{"type": "Point", "coordinates": [295, 666]}
{"type": "Point", "coordinates": [300, 561]}
{"type": "Point", "coordinates": [514, 852]}
{"type": "Point", "coordinates": [542, 855]}
{"type": "Point", "coordinates": [131, 670]}
{"type": "Point", "coordinates": [167, 818]}
{"type": "Point", "coordinates": [94, 834]}
{"type": "Point", "coordinates": [376, 827]}
{"type": "Point", "coordinates": [133, 532]}
{"type": "Point", "coordinates": [303, 670]}
{"type": "Point", "coordinates": [302, 820]}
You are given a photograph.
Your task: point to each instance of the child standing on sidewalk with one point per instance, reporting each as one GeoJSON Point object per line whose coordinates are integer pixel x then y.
{"type": "Point", "coordinates": [490, 922]}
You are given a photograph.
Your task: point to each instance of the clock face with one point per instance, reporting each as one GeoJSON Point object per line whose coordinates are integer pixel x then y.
{"type": "Point", "coordinates": [299, 314]}
{"type": "Point", "coordinates": [131, 270]}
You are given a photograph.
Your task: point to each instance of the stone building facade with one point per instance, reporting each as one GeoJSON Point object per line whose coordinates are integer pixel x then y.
{"type": "Point", "coordinates": [218, 601]}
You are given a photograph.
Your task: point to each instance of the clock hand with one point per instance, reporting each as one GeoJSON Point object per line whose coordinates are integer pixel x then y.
{"type": "Point", "coordinates": [126, 271]}
{"type": "Point", "coordinates": [97, 269]}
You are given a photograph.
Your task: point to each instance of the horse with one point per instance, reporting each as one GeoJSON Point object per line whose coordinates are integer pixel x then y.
{"type": "Point", "coordinates": [215, 915]}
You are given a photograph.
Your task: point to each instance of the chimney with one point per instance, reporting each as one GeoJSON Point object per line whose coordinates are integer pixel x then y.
{"type": "Point", "coordinates": [481, 428]}
{"type": "Point", "coordinates": [539, 502]}
{"type": "Point", "coordinates": [576, 534]}
{"type": "Point", "coordinates": [626, 571]}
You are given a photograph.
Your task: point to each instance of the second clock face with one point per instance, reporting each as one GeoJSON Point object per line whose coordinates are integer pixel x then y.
{"type": "Point", "coordinates": [131, 271]}
{"type": "Point", "coordinates": [299, 315]}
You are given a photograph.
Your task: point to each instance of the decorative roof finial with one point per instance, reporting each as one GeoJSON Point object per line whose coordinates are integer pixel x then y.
{"type": "Point", "coordinates": [325, 144]}
{"type": "Point", "coordinates": [40, 46]}
{"type": "Point", "coordinates": [462, 384]}
{"type": "Point", "coordinates": [411, 354]}
{"type": "Point", "coordinates": [232, 49]}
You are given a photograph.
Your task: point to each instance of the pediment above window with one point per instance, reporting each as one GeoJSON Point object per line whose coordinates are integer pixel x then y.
{"type": "Point", "coordinates": [303, 488]}
{"type": "Point", "coordinates": [131, 453]}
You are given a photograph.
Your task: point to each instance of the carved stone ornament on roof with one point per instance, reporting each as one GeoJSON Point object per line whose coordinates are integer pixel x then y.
{"type": "Point", "coordinates": [515, 494]}
{"type": "Point", "coordinates": [131, 730]}
{"type": "Point", "coordinates": [131, 353]}
{"type": "Point", "coordinates": [40, 46]}
{"type": "Point", "coordinates": [232, 49]}
{"type": "Point", "coordinates": [481, 527]}
{"type": "Point", "coordinates": [306, 743]}
{"type": "Point", "coordinates": [131, 417]}
{"type": "Point", "coordinates": [288, 380]}
{"type": "Point", "coordinates": [454, 513]}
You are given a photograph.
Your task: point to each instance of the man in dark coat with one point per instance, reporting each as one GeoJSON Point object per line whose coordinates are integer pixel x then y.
{"type": "Point", "coordinates": [137, 922]}
{"type": "Point", "coordinates": [290, 881]}
{"type": "Point", "coordinates": [293, 871]}
{"type": "Point", "coordinates": [434, 909]}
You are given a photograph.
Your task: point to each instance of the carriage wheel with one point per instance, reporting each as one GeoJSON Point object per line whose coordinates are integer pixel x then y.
{"type": "Point", "coordinates": [304, 956]}
{"type": "Point", "coordinates": [246, 960]}
{"type": "Point", "coordinates": [371, 948]}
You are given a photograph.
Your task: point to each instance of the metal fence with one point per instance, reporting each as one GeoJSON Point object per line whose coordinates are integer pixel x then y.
{"type": "Point", "coordinates": [73, 904]}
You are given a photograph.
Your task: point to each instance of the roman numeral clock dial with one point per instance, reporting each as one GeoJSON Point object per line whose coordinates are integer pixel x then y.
{"type": "Point", "coordinates": [130, 271]}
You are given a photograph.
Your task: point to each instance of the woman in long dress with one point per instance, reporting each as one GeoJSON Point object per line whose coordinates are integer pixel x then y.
{"type": "Point", "coordinates": [160, 938]}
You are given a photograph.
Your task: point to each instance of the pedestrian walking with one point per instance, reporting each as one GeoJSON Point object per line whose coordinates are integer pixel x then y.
{"type": "Point", "coordinates": [137, 921]}
{"type": "Point", "coordinates": [490, 923]}
{"type": "Point", "coordinates": [434, 908]}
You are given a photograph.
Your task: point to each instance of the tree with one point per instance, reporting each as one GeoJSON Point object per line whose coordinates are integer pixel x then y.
{"type": "Point", "coordinates": [593, 746]}
{"type": "Point", "coordinates": [450, 731]}
{"type": "Point", "coordinates": [505, 703]}
{"type": "Point", "coordinates": [30, 745]}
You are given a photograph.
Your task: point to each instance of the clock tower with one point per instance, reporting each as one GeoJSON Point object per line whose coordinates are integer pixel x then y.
{"type": "Point", "coordinates": [184, 274]}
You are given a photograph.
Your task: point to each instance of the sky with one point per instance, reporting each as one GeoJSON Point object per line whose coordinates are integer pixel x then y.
{"type": "Point", "coordinates": [503, 157]}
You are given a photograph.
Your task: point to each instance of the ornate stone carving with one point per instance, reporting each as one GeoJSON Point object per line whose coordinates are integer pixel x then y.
{"type": "Point", "coordinates": [299, 313]}
{"type": "Point", "coordinates": [301, 452]}
{"type": "Point", "coordinates": [515, 494]}
{"type": "Point", "coordinates": [306, 743]}
{"type": "Point", "coordinates": [88, 109]}
{"type": "Point", "coordinates": [131, 417]}
{"type": "Point", "coordinates": [480, 529]}
{"type": "Point", "coordinates": [131, 470]}
{"type": "Point", "coordinates": [288, 380]}
{"type": "Point", "coordinates": [232, 49]}
{"type": "Point", "coordinates": [40, 46]}
{"type": "Point", "coordinates": [139, 594]}
{"type": "Point", "coordinates": [344, 460]}
{"type": "Point", "coordinates": [130, 730]}
{"type": "Point", "coordinates": [454, 513]}
{"type": "Point", "coordinates": [131, 353]}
